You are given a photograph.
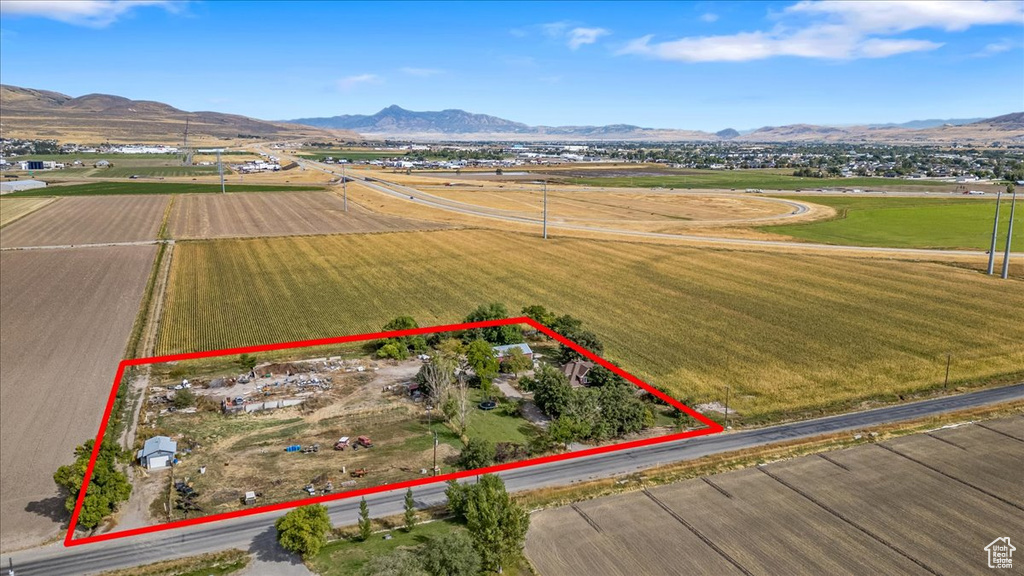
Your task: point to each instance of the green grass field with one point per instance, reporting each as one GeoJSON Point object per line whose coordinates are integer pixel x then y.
{"type": "Point", "coordinates": [790, 334]}
{"type": "Point", "coordinates": [157, 171]}
{"type": "Point", "coordinates": [907, 223]}
{"type": "Point", "coordinates": [347, 557]}
{"type": "Point", "coordinates": [744, 179]}
{"type": "Point", "coordinates": [122, 188]}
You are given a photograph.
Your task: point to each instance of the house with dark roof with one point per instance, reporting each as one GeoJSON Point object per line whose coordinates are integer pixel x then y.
{"type": "Point", "coordinates": [576, 371]}
{"type": "Point", "coordinates": [157, 452]}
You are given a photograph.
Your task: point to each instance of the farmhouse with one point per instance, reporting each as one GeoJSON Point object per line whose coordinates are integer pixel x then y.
{"type": "Point", "coordinates": [501, 351]}
{"type": "Point", "coordinates": [157, 452]}
{"type": "Point", "coordinates": [577, 371]}
{"type": "Point", "coordinates": [17, 185]}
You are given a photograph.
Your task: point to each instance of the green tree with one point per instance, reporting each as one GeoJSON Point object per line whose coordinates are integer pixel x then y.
{"type": "Point", "coordinates": [478, 453]}
{"type": "Point", "coordinates": [497, 525]}
{"type": "Point", "coordinates": [481, 357]}
{"type": "Point", "coordinates": [393, 350]}
{"type": "Point", "coordinates": [410, 511]}
{"type": "Point", "coordinates": [450, 554]}
{"type": "Point", "coordinates": [398, 562]}
{"type": "Point", "coordinates": [365, 526]}
{"type": "Point", "coordinates": [515, 362]}
{"type": "Point", "coordinates": [304, 530]}
{"type": "Point", "coordinates": [496, 335]}
{"type": "Point", "coordinates": [551, 391]}
{"type": "Point", "coordinates": [456, 495]}
{"type": "Point", "coordinates": [184, 398]}
{"type": "Point", "coordinates": [400, 347]}
{"type": "Point", "coordinates": [247, 362]}
{"type": "Point", "coordinates": [567, 429]}
{"type": "Point", "coordinates": [108, 487]}
{"type": "Point", "coordinates": [540, 314]}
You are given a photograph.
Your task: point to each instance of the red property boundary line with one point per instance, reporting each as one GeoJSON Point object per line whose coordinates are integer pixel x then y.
{"type": "Point", "coordinates": [711, 427]}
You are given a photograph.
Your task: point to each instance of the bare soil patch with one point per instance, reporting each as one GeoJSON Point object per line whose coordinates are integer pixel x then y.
{"type": "Point", "coordinates": [88, 220]}
{"type": "Point", "coordinates": [278, 214]}
{"type": "Point", "coordinates": [12, 209]}
{"type": "Point", "coordinates": [65, 317]}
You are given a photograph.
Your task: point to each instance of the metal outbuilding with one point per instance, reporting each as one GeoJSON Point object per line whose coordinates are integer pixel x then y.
{"type": "Point", "coordinates": [19, 185]}
{"type": "Point", "coordinates": [157, 452]}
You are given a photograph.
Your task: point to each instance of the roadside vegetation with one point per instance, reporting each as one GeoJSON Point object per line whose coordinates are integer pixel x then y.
{"type": "Point", "coordinates": [125, 188]}
{"type": "Point", "coordinates": [905, 223]}
{"type": "Point", "coordinates": [484, 533]}
{"type": "Point", "coordinates": [213, 564]}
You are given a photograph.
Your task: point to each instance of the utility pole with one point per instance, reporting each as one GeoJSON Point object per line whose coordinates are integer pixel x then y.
{"type": "Point", "coordinates": [995, 231]}
{"type": "Point", "coordinates": [949, 358]}
{"type": "Point", "coordinates": [220, 168]}
{"type": "Point", "coordinates": [433, 472]}
{"type": "Point", "coordinates": [1009, 233]}
{"type": "Point", "coordinates": [344, 190]}
{"type": "Point", "coordinates": [545, 209]}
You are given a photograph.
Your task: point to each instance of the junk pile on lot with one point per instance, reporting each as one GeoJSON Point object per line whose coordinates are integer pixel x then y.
{"type": "Point", "coordinates": [186, 500]}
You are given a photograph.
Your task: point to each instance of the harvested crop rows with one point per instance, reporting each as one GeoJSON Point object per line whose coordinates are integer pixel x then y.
{"type": "Point", "coordinates": [12, 209]}
{"type": "Point", "coordinates": [846, 513]}
{"type": "Point", "coordinates": [787, 333]}
{"type": "Point", "coordinates": [65, 317]}
{"type": "Point", "coordinates": [277, 214]}
{"type": "Point", "coordinates": [88, 221]}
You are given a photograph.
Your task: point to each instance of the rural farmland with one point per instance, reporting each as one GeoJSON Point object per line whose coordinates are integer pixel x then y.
{"type": "Point", "coordinates": [904, 223]}
{"type": "Point", "coordinates": [789, 334]}
{"type": "Point", "coordinates": [66, 315]}
{"type": "Point", "coordinates": [277, 214]}
{"type": "Point", "coordinates": [117, 188]}
{"type": "Point", "coordinates": [886, 508]}
{"type": "Point", "coordinates": [88, 221]}
{"type": "Point", "coordinates": [13, 208]}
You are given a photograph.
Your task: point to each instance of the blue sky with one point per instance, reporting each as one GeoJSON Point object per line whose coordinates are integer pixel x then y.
{"type": "Point", "coordinates": [700, 65]}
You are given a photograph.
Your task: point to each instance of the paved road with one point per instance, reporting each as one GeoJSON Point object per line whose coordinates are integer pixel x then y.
{"type": "Point", "coordinates": [252, 532]}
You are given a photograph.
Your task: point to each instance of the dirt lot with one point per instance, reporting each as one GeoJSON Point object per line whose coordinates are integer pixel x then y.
{"type": "Point", "coordinates": [277, 214]}
{"type": "Point", "coordinates": [913, 505]}
{"type": "Point", "coordinates": [12, 209]}
{"type": "Point", "coordinates": [88, 220]}
{"type": "Point", "coordinates": [65, 316]}
{"type": "Point", "coordinates": [246, 451]}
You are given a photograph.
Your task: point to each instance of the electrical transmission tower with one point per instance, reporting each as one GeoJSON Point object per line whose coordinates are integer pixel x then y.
{"type": "Point", "coordinates": [186, 152]}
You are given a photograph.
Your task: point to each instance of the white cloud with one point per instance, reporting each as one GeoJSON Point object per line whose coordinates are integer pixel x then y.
{"type": "Point", "coordinates": [422, 72]}
{"type": "Point", "coordinates": [994, 48]}
{"type": "Point", "coordinates": [573, 35]}
{"type": "Point", "coordinates": [350, 82]}
{"type": "Point", "coordinates": [91, 13]}
{"type": "Point", "coordinates": [708, 17]}
{"type": "Point", "coordinates": [580, 36]}
{"type": "Point", "coordinates": [903, 15]}
{"type": "Point", "coordinates": [836, 30]}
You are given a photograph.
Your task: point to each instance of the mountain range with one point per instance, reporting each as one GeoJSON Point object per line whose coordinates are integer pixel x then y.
{"type": "Point", "coordinates": [93, 118]}
{"type": "Point", "coordinates": [397, 122]}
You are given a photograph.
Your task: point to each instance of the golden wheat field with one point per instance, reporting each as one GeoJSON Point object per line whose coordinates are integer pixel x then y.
{"type": "Point", "coordinates": [12, 209]}
{"type": "Point", "coordinates": [788, 333]}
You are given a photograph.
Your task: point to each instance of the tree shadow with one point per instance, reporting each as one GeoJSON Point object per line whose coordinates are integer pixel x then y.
{"type": "Point", "coordinates": [265, 548]}
{"type": "Point", "coordinates": [52, 508]}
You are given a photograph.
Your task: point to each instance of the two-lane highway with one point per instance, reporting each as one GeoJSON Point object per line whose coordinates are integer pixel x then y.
{"type": "Point", "coordinates": [244, 532]}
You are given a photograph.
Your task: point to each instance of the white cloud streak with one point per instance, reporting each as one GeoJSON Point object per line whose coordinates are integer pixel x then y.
{"type": "Point", "coordinates": [836, 30]}
{"type": "Point", "coordinates": [350, 82]}
{"type": "Point", "coordinates": [580, 36]}
{"type": "Point", "coordinates": [90, 13]}
{"type": "Point", "coordinates": [709, 17]}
